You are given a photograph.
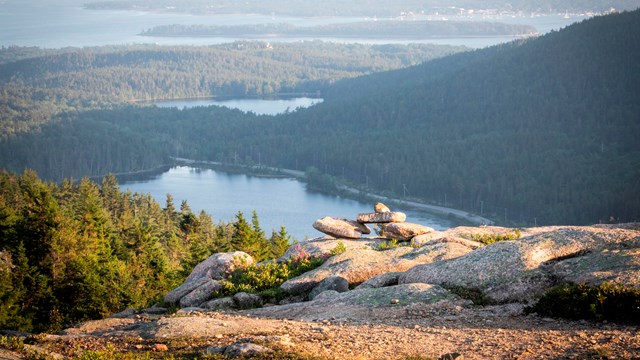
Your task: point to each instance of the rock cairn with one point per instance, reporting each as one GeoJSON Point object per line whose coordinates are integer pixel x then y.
{"type": "Point", "coordinates": [391, 225]}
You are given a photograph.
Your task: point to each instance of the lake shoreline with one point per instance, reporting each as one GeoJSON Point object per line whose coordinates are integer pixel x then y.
{"type": "Point", "coordinates": [342, 190]}
{"type": "Point", "coordinates": [278, 96]}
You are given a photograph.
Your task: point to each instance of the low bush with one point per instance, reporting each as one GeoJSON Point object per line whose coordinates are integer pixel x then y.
{"type": "Point", "coordinates": [13, 343]}
{"type": "Point", "coordinates": [265, 279]}
{"type": "Point", "coordinates": [473, 294]}
{"type": "Point", "coordinates": [387, 245]}
{"type": "Point", "coordinates": [492, 238]}
{"type": "Point", "coordinates": [339, 249]}
{"type": "Point", "coordinates": [611, 302]}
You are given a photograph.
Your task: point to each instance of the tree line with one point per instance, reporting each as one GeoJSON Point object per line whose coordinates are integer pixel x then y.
{"type": "Point", "coordinates": [79, 250]}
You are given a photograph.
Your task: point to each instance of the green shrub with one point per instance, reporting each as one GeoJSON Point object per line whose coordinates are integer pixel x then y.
{"type": "Point", "coordinates": [612, 302]}
{"type": "Point", "coordinates": [255, 278]}
{"type": "Point", "coordinates": [387, 245]}
{"type": "Point", "coordinates": [266, 279]}
{"type": "Point", "coordinates": [339, 249]}
{"type": "Point", "coordinates": [473, 294]}
{"type": "Point", "coordinates": [492, 238]}
{"type": "Point", "coordinates": [13, 343]}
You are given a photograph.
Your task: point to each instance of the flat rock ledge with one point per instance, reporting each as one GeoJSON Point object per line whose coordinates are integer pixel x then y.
{"type": "Point", "coordinates": [362, 304]}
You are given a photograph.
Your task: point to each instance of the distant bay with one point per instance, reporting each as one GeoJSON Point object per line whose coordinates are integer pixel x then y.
{"type": "Point", "coordinates": [65, 23]}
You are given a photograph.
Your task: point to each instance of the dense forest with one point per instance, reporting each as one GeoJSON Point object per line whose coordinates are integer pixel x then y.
{"type": "Point", "coordinates": [363, 7]}
{"type": "Point", "coordinates": [367, 29]}
{"type": "Point", "coordinates": [78, 250]}
{"type": "Point", "coordinates": [34, 85]}
{"type": "Point", "coordinates": [534, 132]}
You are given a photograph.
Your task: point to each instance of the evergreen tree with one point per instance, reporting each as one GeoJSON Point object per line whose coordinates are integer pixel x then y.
{"type": "Point", "coordinates": [242, 233]}
{"type": "Point", "coordinates": [279, 242]}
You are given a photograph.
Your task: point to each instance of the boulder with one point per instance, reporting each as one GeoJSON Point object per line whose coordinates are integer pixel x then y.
{"type": "Point", "coordinates": [341, 228]}
{"type": "Point", "coordinates": [383, 280]}
{"type": "Point", "coordinates": [403, 231]}
{"type": "Point", "coordinates": [218, 264]}
{"type": "Point", "coordinates": [126, 313]}
{"type": "Point", "coordinates": [225, 303]}
{"type": "Point", "coordinates": [174, 296]}
{"type": "Point", "coordinates": [154, 310]}
{"type": "Point", "coordinates": [203, 278]}
{"type": "Point", "coordinates": [335, 283]}
{"type": "Point", "coordinates": [245, 300]}
{"type": "Point", "coordinates": [381, 208]}
{"type": "Point", "coordinates": [382, 217]}
{"type": "Point", "coordinates": [357, 266]}
{"type": "Point", "coordinates": [245, 349]}
{"type": "Point", "coordinates": [200, 294]}
{"type": "Point", "coordinates": [518, 270]}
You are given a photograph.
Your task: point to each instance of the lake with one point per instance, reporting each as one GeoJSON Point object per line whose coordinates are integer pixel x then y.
{"type": "Point", "coordinates": [278, 201]}
{"type": "Point", "coordinates": [64, 23]}
{"type": "Point", "coordinates": [259, 106]}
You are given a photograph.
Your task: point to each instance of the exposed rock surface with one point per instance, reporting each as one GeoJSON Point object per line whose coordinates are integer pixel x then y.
{"type": "Point", "coordinates": [174, 296]}
{"type": "Point", "coordinates": [322, 247]}
{"type": "Point", "coordinates": [518, 270]}
{"type": "Point", "coordinates": [383, 280]}
{"type": "Point", "coordinates": [200, 294]}
{"type": "Point", "coordinates": [245, 349]}
{"type": "Point", "coordinates": [397, 313]}
{"type": "Point", "coordinates": [436, 237]}
{"type": "Point", "coordinates": [217, 264]}
{"type": "Point", "coordinates": [381, 217]}
{"type": "Point", "coordinates": [334, 283]}
{"type": "Point", "coordinates": [356, 303]}
{"type": "Point", "coordinates": [358, 266]}
{"type": "Point", "coordinates": [341, 228]}
{"type": "Point", "coordinates": [404, 231]}
{"type": "Point", "coordinates": [594, 268]}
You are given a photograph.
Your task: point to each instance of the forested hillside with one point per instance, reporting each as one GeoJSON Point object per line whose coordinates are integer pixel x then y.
{"type": "Point", "coordinates": [78, 251]}
{"type": "Point", "coordinates": [36, 84]}
{"type": "Point", "coordinates": [536, 132]}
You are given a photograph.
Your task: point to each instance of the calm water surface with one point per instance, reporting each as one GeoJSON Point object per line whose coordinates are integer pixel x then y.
{"type": "Point", "coordinates": [278, 201]}
{"type": "Point", "coordinates": [258, 106]}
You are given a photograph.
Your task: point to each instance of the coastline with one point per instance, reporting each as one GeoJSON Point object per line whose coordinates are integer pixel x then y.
{"type": "Point", "coordinates": [348, 191]}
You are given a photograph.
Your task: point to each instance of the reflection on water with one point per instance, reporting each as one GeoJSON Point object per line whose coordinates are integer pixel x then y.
{"type": "Point", "coordinates": [278, 201]}
{"type": "Point", "coordinates": [266, 106]}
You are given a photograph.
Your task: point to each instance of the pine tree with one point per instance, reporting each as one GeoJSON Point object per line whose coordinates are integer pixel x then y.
{"type": "Point", "coordinates": [279, 242]}
{"type": "Point", "coordinates": [242, 232]}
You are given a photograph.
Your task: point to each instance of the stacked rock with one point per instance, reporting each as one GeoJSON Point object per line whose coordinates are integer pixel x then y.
{"type": "Point", "coordinates": [392, 225]}
{"type": "Point", "coordinates": [341, 228]}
